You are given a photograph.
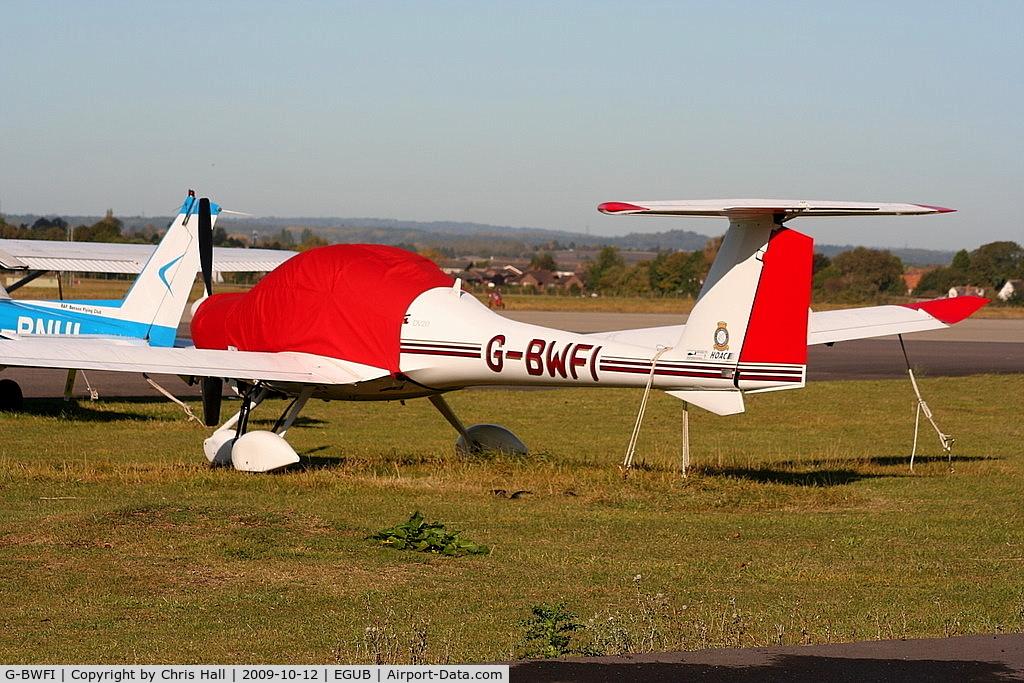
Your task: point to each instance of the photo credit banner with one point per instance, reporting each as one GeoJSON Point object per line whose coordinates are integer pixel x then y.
{"type": "Point", "coordinates": [381, 673]}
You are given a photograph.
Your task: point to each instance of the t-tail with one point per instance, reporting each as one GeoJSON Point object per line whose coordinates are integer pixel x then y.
{"type": "Point", "coordinates": [747, 331]}
{"type": "Point", "coordinates": [152, 308]}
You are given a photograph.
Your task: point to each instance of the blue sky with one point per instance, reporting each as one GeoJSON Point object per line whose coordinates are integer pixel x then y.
{"type": "Point", "coordinates": [523, 113]}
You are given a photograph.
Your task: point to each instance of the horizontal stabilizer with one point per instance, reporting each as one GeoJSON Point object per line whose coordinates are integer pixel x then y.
{"type": "Point", "coordinates": [666, 335]}
{"type": "Point", "coordinates": [749, 208]}
{"type": "Point", "coordinates": [717, 402]}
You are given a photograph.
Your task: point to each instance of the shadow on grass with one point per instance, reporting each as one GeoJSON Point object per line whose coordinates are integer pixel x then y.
{"type": "Point", "coordinates": [826, 474]}
{"type": "Point", "coordinates": [922, 460]}
{"type": "Point", "coordinates": [332, 462]}
{"type": "Point", "coordinates": [81, 411]}
{"type": "Point", "coordinates": [766, 475]}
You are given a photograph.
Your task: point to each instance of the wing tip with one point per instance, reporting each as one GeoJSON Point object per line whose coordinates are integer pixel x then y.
{"type": "Point", "coordinates": [936, 209]}
{"type": "Point", "coordinates": [612, 208]}
{"type": "Point", "coordinates": [950, 310]}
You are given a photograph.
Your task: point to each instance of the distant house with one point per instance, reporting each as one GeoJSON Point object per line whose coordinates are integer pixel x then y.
{"type": "Point", "coordinates": [966, 290]}
{"type": "Point", "coordinates": [567, 282]}
{"type": "Point", "coordinates": [543, 280]}
{"type": "Point", "coordinates": [912, 278]}
{"type": "Point", "coordinates": [1010, 288]}
{"type": "Point", "coordinates": [538, 280]}
{"type": "Point", "coordinates": [491, 277]}
{"type": "Point", "coordinates": [470, 277]}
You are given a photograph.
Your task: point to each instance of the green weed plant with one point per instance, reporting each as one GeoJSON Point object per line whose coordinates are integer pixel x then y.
{"type": "Point", "coordinates": [549, 630]}
{"type": "Point", "coordinates": [427, 537]}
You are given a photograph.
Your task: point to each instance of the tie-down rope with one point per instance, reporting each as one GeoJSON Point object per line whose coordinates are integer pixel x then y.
{"type": "Point", "coordinates": [944, 439]}
{"type": "Point", "coordinates": [631, 449]}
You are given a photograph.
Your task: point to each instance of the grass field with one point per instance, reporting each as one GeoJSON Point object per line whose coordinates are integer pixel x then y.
{"type": "Point", "coordinates": [800, 523]}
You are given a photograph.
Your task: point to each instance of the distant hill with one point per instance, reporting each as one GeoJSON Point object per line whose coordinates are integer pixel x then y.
{"type": "Point", "coordinates": [467, 238]}
{"type": "Point", "coordinates": [909, 256]}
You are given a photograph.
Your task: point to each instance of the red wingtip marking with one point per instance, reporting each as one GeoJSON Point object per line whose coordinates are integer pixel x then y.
{"type": "Point", "coordinates": [619, 207]}
{"type": "Point", "coordinates": [952, 310]}
{"type": "Point", "coordinates": [937, 209]}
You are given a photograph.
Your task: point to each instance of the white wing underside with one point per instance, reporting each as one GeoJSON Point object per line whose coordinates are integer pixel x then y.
{"type": "Point", "coordinates": [103, 354]}
{"type": "Point", "coordinates": [847, 324]}
{"type": "Point", "coordinates": [825, 327]}
{"type": "Point", "coordinates": [101, 257]}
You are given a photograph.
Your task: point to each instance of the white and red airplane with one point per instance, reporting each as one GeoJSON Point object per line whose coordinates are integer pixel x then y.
{"type": "Point", "coordinates": [371, 322]}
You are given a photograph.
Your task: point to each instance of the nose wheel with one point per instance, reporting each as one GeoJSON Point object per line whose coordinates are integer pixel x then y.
{"type": "Point", "coordinates": [259, 450]}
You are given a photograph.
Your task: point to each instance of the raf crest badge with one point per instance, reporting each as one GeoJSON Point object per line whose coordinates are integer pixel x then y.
{"type": "Point", "coordinates": [721, 337]}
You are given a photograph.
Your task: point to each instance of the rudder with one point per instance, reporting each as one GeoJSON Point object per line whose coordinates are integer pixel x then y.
{"type": "Point", "coordinates": [748, 328]}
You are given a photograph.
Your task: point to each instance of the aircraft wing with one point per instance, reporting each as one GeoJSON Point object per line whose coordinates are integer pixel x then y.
{"type": "Point", "coordinates": [108, 257]}
{"type": "Point", "coordinates": [106, 354]}
{"type": "Point", "coordinates": [827, 327]}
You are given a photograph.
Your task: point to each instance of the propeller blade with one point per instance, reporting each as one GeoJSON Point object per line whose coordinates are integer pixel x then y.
{"type": "Point", "coordinates": [206, 244]}
{"type": "Point", "coordinates": [212, 387]}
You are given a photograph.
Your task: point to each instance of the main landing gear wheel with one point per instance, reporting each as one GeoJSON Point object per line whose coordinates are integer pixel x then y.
{"type": "Point", "coordinates": [486, 438]}
{"type": "Point", "coordinates": [11, 398]}
{"type": "Point", "coordinates": [479, 438]}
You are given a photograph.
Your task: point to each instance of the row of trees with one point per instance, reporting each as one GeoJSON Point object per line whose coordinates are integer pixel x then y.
{"type": "Point", "coordinates": [988, 266]}
{"type": "Point", "coordinates": [111, 229]}
{"type": "Point", "coordinates": [108, 229]}
{"type": "Point", "coordinates": [857, 275]}
{"type": "Point", "coordinates": [860, 275]}
{"type": "Point", "coordinates": [669, 274]}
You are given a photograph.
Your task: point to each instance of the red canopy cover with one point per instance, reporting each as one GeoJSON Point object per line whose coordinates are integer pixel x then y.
{"type": "Point", "coordinates": [345, 301]}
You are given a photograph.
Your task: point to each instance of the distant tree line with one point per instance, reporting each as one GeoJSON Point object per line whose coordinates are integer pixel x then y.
{"type": "Point", "coordinates": [860, 275]}
{"type": "Point", "coordinates": [988, 266]}
{"type": "Point", "coordinates": [669, 274]}
{"type": "Point", "coordinates": [107, 229]}
{"type": "Point", "coordinates": [856, 276]}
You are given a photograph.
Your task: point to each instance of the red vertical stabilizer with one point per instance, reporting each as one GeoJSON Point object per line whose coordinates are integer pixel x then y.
{"type": "Point", "coordinates": [777, 333]}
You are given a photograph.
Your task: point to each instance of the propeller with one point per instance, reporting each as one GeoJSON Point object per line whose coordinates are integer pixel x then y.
{"type": "Point", "coordinates": [206, 244]}
{"type": "Point", "coordinates": [212, 387]}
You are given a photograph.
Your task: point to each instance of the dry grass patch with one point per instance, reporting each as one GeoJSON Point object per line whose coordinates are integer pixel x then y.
{"type": "Point", "coordinates": [799, 522]}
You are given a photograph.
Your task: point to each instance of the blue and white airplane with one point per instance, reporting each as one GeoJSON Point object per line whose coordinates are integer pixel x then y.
{"type": "Point", "coordinates": [150, 312]}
